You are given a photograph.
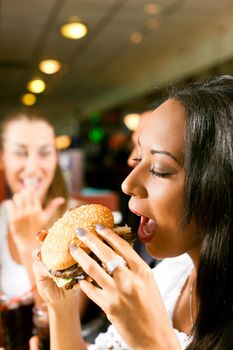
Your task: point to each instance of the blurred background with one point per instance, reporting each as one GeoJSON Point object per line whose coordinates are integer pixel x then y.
{"type": "Point", "coordinates": [91, 63]}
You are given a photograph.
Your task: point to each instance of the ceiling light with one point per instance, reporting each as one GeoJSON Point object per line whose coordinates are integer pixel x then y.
{"type": "Point", "coordinates": [37, 86]}
{"type": "Point", "coordinates": [63, 141]}
{"type": "Point", "coordinates": [131, 120]}
{"type": "Point", "coordinates": [28, 99]}
{"type": "Point", "coordinates": [74, 29]}
{"type": "Point", "coordinates": [136, 38]}
{"type": "Point", "coordinates": [49, 66]}
{"type": "Point", "coordinates": [152, 8]}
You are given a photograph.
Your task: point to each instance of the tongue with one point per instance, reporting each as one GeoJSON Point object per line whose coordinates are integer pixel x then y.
{"type": "Point", "coordinates": [150, 227]}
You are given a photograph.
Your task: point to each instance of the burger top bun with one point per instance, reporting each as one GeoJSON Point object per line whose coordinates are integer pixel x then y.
{"type": "Point", "coordinates": [55, 250]}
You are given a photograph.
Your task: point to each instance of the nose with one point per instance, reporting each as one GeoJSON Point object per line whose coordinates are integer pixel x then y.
{"type": "Point", "coordinates": [134, 185]}
{"type": "Point", "coordinates": [31, 163]}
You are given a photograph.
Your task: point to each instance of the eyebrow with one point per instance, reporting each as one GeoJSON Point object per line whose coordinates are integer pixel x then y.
{"type": "Point", "coordinates": [153, 151]}
{"type": "Point", "coordinates": [26, 146]}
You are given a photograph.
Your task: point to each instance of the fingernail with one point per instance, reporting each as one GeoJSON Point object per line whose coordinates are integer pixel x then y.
{"type": "Point", "coordinates": [80, 231]}
{"type": "Point", "coordinates": [36, 254]}
{"type": "Point", "coordinates": [73, 248]}
{"type": "Point", "coordinates": [41, 235]}
{"type": "Point", "coordinates": [99, 227]}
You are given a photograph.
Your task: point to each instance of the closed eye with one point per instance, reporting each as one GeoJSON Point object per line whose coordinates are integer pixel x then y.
{"type": "Point", "coordinates": [159, 174]}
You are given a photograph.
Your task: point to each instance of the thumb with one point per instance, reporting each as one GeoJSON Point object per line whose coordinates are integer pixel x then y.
{"type": "Point", "coordinates": [53, 206]}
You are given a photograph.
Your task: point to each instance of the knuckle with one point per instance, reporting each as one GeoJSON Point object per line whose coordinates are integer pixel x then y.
{"type": "Point", "coordinates": [90, 269]}
{"type": "Point", "coordinates": [126, 288]}
{"type": "Point", "coordinates": [113, 306]}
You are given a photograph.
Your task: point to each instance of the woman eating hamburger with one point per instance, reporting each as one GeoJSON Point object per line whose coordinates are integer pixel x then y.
{"type": "Point", "coordinates": [181, 187]}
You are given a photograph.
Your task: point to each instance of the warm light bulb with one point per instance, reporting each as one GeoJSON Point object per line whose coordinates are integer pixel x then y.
{"type": "Point", "coordinates": [63, 141]}
{"type": "Point", "coordinates": [37, 86]}
{"type": "Point", "coordinates": [152, 9]}
{"type": "Point", "coordinates": [132, 120]}
{"type": "Point", "coordinates": [74, 30]}
{"type": "Point", "coordinates": [49, 66]}
{"type": "Point", "coordinates": [136, 38]}
{"type": "Point", "coordinates": [28, 99]}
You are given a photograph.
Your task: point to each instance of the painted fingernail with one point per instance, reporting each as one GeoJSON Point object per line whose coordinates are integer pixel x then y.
{"type": "Point", "coordinates": [99, 227]}
{"type": "Point", "coordinates": [80, 231]}
{"type": "Point", "coordinates": [73, 248]}
{"type": "Point", "coordinates": [41, 235]}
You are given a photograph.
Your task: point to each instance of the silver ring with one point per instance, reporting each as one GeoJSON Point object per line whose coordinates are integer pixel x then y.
{"type": "Point", "coordinates": [116, 262]}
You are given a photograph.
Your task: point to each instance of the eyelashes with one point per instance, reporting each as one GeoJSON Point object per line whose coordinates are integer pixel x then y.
{"type": "Point", "coordinates": [159, 174]}
{"type": "Point", "coordinates": [152, 170]}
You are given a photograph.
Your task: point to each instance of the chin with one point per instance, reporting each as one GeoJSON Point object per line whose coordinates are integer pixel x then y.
{"type": "Point", "coordinates": [159, 253]}
{"type": "Point", "coordinates": [152, 251]}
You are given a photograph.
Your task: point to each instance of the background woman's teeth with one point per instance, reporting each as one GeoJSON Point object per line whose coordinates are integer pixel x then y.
{"type": "Point", "coordinates": [30, 182]}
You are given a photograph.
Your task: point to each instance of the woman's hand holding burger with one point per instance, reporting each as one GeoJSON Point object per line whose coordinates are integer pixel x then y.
{"type": "Point", "coordinates": [62, 304]}
{"type": "Point", "coordinates": [46, 286]}
{"type": "Point", "coordinates": [129, 296]}
{"type": "Point", "coordinates": [124, 289]}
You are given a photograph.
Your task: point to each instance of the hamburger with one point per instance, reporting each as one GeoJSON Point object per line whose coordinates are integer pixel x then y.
{"type": "Point", "coordinates": [55, 249]}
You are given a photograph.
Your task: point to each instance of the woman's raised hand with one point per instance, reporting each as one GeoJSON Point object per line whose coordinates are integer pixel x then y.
{"type": "Point", "coordinates": [26, 215]}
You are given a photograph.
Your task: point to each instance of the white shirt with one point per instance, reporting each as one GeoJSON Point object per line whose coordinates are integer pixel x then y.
{"type": "Point", "coordinates": [14, 280]}
{"type": "Point", "coordinates": [170, 275]}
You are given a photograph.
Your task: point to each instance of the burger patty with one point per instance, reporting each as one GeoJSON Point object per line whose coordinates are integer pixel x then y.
{"type": "Point", "coordinates": [74, 271]}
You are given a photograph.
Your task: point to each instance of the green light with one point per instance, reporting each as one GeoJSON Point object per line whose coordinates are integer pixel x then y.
{"type": "Point", "coordinates": [96, 135]}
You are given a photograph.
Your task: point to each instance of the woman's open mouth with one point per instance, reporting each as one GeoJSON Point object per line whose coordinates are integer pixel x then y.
{"type": "Point", "coordinates": [146, 230]}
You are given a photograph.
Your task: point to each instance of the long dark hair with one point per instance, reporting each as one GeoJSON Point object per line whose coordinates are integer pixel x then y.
{"type": "Point", "coordinates": [208, 197]}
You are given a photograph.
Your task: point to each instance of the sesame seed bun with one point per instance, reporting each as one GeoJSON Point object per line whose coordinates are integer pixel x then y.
{"type": "Point", "coordinates": [55, 250]}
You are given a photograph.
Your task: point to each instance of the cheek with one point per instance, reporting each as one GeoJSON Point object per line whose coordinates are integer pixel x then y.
{"type": "Point", "coordinates": [11, 168]}
{"type": "Point", "coordinates": [50, 168]}
{"type": "Point", "coordinates": [11, 173]}
{"type": "Point", "coordinates": [167, 202]}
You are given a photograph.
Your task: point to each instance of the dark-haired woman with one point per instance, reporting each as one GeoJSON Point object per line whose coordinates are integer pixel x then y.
{"type": "Point", "coordinates": [181, 186]}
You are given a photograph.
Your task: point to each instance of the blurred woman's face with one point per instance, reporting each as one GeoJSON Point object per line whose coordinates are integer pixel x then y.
{"type": "Point", "coordinates": [156, 183]}
{"type": "Point", "coordinates": [29, 156]}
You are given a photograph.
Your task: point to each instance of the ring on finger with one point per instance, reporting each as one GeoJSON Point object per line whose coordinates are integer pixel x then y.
{"type": "Point", "coordinates": [111, 265]}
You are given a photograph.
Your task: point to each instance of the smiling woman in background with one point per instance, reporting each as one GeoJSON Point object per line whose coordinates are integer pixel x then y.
{"type": "Point", "coordinates": [38, 196]}
{"type": "Point", "coordinates": [181, 186]}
